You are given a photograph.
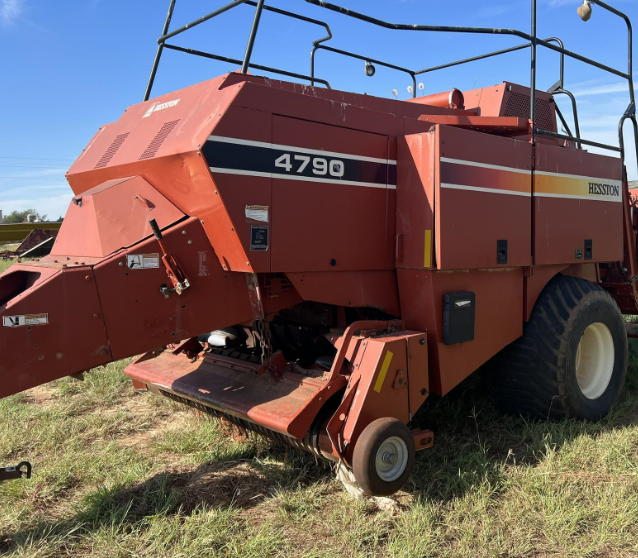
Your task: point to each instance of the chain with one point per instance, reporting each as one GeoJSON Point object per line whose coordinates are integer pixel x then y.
{"type": "Point", "coordinates": [263, 327]}
{"type": "Point", "coordinates": [266, 342]}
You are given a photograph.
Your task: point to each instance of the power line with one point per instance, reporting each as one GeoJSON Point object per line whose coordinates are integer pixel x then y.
{"type": "Point", "coordinates": [38, 158]}
{"type": "Point", "coordinates": [5, 165]}
{"type": "Point", "coordinates": [27, 178]}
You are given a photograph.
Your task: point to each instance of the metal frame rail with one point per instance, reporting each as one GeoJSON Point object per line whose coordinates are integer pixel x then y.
{"type": "Point", "coordinates": [532, 42]}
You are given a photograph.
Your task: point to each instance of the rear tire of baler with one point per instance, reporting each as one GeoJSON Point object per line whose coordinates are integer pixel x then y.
{"type": "Point", "coordinates": [571, 361]}
{"type": "Point", "coordinates": [383, 441]}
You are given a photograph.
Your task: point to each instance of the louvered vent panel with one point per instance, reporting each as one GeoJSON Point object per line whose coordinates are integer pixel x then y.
{"type": "Point", "coordinates": [158, 140]}
{"type": "Point", "coordinates": [518, 104]}
{"type": "Point", "coordinates": [112, 150]}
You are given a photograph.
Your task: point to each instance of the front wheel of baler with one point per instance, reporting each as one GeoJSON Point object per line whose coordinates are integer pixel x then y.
{"type": "Point", "coordinates": [383, 457]}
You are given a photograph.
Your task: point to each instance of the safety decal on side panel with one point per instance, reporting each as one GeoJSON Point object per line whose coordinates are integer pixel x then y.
{"type": "Point", "coordinates": [257, 213]}
{"type": "Point", "coordinates": [258, 239]}
{"type": "Point", "coordinates": [25, 320]}
{"type": "Point", "coordinates": [142, 261]}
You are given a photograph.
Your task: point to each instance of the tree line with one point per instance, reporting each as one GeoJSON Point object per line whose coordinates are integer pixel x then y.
{"type": "Point", "coordinates": [21, 216]}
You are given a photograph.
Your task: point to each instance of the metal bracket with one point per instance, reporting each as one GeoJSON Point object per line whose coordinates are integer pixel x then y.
{"type": "Point", "coordinates": [173, 269]}
{"type": "Point", "coordinates": [556, 87]}
{"type": "Point", "coordinates": [400, 381]}
{"type": "Point", "coordinates": [23, 470]}
{"type": "Point", "coordinates": [423, 439]}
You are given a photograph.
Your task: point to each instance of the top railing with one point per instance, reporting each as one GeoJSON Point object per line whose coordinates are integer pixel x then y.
{"type": "Point", "coordinates": [531, 41]}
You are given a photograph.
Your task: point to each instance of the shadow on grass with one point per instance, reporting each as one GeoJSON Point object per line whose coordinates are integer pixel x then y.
{"type": "Point", "coordinates": [239, 481]}
{"type": "Point", "coordinates": [474, 444]}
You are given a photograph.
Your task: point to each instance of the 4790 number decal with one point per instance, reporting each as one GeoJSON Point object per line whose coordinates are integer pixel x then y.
{"type": "Point", "coordinates": [318, 165]}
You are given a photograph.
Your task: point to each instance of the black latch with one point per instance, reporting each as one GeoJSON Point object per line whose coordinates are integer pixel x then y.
{"type": "Point", "coordinates": [501, 251]}
{"type": "Point", "coordinates": [588, 250]}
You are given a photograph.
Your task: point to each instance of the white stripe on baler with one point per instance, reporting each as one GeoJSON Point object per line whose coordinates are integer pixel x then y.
{"type": "Point", "coordinates": [486, 190]}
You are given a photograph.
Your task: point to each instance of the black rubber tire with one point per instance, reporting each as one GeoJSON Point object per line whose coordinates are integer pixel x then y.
{"type": "Point", "coordinates": [365, 452]}
{"type": "Point", "coordinates": [536, 375]}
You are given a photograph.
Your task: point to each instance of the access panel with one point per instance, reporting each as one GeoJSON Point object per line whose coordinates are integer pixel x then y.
{"type": "Point", "coordinates": [578, 210]}
{"type": "Point", "coordinates": [483, 200]}
{"type": "Point", "coordinates": [333, 198]}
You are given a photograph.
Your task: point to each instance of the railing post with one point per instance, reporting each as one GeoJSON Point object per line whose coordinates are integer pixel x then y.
{"type": "Point", "coordinates": [532, 110]}
{"type": "Point", "coordinates": [312, 65]}
{"type": "Point", "coordinates": [253, 35]}
{"type": "Point", "coordinates": [160, 48]}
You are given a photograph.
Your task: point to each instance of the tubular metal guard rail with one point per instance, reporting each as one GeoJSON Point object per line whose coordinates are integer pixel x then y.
{"type": "Point", "coordinates": [532, 42]}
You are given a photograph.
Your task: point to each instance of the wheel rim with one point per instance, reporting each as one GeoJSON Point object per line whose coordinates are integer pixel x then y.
{"type": "Point", "coordinates": [595, 360]}
{"type": "Point", "coordinates": [391, 459]}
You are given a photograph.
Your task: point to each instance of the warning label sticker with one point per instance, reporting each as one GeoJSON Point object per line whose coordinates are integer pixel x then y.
{"type": "Point", "coordinates": [257, 213]}
{"type": "Point", "coordinates": [259, 239]}
{"type": "Point", "coordinates": [25, 320]}
{"type": "Point", "coordinates": [142, 261]}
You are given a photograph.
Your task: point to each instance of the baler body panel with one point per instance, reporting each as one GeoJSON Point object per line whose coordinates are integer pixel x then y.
{"type": "Point", "coordinates": [483, 196]}
{"type": "Point", "coordinates": [52, 325]}
{"type": "Point", "coordinates": [586, 187]}
{"type": "Point", "coordinates": [498, 322]}
{"type": "Point", "coordinates": [111, 216]}
{"type": "Point", "coordinates": [295, 171]}
{"type": "Point", "coordinates": [511, 99]}
{"type": "Point", "coordinates": [355, 196]}
{"type": "Point", "coordinates": [416, 204]}
{"type": "Point", "coordinates": [355, 289]}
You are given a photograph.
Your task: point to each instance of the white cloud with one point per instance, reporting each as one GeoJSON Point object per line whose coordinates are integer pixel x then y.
{"type": "Point", "coordinates": [10, 11]}
{"type": "Point", "coordinates": [600, 107]}
{"type": "Point", "coordinates": [45, 189]}
{"type": "Point", "coordinates": [559, 3]}
{"type": "Point", "coordinates": [602, 89]}
{"type": "Point", "coordinates": [52, 206]}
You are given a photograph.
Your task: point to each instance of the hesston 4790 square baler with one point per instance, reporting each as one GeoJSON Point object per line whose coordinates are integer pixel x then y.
{"type": "Point", "coordinates": [312, 264]}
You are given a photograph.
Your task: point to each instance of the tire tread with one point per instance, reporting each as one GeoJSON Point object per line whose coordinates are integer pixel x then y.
{"type": "Point", "coordinates": [528, 376]}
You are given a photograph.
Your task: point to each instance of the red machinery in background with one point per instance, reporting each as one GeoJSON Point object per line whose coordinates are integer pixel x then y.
{"type": "Point", "coordinates": [312, 264]}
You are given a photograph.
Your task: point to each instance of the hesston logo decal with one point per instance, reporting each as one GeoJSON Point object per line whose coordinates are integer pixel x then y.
{"type": "Point", "coordinates": [604, 189]}
{"type": "Point", "coordinates": [155, 107]}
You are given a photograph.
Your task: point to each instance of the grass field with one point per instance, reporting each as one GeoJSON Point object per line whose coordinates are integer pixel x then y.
{"type": "Point", "coordinates": [8, 247]}
{"type": "Point", "coordinates": [123, 474]}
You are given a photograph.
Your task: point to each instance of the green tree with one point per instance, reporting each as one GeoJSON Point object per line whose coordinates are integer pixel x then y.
{"type": "Point", "coordinates": [21, 216]}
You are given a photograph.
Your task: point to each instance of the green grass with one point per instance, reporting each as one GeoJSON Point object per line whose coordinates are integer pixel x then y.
{"type": "Point", "coordinates": [123, 474]}
{"type": "Point", "coordinates": [5, 264]}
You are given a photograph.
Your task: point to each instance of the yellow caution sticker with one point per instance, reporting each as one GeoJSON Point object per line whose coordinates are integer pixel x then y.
{"type": "Point", "coordinates": [384, 370]}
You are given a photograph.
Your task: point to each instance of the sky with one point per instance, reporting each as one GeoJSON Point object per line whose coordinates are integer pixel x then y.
{"type": "Point", "coordinates": [69, 66]}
